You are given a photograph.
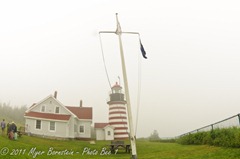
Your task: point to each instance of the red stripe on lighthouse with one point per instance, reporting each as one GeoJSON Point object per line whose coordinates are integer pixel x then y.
{"type": "Point", "coordinates": [118, 117]}
{"type": "Point", "coordinates": [117, 123]}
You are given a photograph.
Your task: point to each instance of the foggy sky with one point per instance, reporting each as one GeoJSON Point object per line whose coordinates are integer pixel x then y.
{"type": "Point", "coordinates": [190, 79]}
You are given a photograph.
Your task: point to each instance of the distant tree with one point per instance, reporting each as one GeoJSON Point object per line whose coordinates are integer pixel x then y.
{"type": "Point", "coordinates": [154, 136]}
{"type": "Point", "coordinates": [12, 113]}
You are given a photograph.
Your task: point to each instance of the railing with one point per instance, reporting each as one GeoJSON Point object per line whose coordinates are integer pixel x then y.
{"type": "Point", "coordinates": [228, 122]}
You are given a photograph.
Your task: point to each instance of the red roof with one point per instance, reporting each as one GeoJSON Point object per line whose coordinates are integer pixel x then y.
{"type": "Point", "coordinates": [81, 112]}
{"type": "Point", "coordinates": [48, 116]}
{"type": "Point", "coordinates": [116, 85]}
{"type": "Point", "coordinates": [100, 125]}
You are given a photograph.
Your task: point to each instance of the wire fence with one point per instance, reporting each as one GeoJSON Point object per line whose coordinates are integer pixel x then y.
{"type": "Point", "coordinates": [233, 121]}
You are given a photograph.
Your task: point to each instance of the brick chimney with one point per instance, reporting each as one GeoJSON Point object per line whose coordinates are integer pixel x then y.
{"type": "Point", "coordinates": [55, 94]}
{"type": "Point", "coordinates": [81, 103]}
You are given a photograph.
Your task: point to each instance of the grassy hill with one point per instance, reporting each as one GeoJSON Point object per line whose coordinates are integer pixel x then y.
{"type": "Point", "coordinates": [28, 147]}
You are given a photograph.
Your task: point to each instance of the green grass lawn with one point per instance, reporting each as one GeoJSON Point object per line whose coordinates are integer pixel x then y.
{"type": "Point", "coordinates": [31, 147]}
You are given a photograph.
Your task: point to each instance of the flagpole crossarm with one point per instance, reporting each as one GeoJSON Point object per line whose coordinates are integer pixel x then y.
{"type": "Point", "coordinates": [100, 32]}
{"type": "Point", "coordinates": [130, 33]}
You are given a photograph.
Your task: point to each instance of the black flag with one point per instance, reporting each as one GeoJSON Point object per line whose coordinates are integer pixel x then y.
{"type": "Point", "coordinates": [142, 50]}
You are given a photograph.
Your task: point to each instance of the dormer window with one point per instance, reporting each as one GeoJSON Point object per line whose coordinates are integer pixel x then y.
{"type": "Point", "coordinates": [57, 110]}
{"type": "Point", "coordinates": [43, 108]}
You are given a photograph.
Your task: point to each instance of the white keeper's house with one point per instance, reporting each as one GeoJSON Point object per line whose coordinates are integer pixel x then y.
{"type": "Point", "coordinates": [50, 118]}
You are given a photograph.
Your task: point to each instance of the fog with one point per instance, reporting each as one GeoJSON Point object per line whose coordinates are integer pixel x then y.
{"type": "Point", "coordinates": [190, 79]}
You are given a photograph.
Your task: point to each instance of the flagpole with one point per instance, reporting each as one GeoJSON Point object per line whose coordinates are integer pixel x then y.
{"type": "Point", "coordinates": [129, 111]}
{"type": "Point", "coordinates": [124, 72]}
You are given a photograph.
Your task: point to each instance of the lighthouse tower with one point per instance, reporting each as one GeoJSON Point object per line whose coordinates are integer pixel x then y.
{"type": "Point", "coordinates": [117, 113]}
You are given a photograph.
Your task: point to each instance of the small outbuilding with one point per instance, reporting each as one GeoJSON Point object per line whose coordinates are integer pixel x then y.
{"type": "Point", "coordinates": [104, 131]}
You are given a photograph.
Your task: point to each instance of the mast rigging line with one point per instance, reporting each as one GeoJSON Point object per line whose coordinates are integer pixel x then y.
{"type": "Point", "coordinates": [138, 90]}
{"type": "Point", "coordinates": [104, 62]}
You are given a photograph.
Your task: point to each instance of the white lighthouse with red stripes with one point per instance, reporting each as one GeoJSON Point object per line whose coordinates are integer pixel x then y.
{"type": "Point", "coordinates": [118, 113]}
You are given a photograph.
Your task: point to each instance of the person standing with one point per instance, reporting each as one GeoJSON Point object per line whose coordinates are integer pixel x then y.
{"type": "Point", "coordinates": [8, 128]}
{"type": "Point", "coordinates": [13, 131]}
{"type": "Point", "coordinates": [3, 126]}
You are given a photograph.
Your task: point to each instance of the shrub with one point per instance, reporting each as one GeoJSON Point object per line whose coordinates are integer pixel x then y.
{"type": "Point", "coordinates": [225, 137]}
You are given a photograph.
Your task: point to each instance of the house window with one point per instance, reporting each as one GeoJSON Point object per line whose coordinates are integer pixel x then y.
{"type": "Point", "coordinates": [81, 129]}
{"type": "Point", "coordinates": [109, 133]}
{"type": "Point", "coordinates": [43, 108]}
{"type": "Point", "coordinates": [52, 126]}
{"type": "Point", "coordinates": [38, 124]}
{"type": "Point", "coordinates": [57, 110]}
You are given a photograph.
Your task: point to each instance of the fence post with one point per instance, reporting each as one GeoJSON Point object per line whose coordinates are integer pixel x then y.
{"type": "Point", "coordinates": [212, 127]}
{"type": "Point", "coordinates": [239, 118]}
